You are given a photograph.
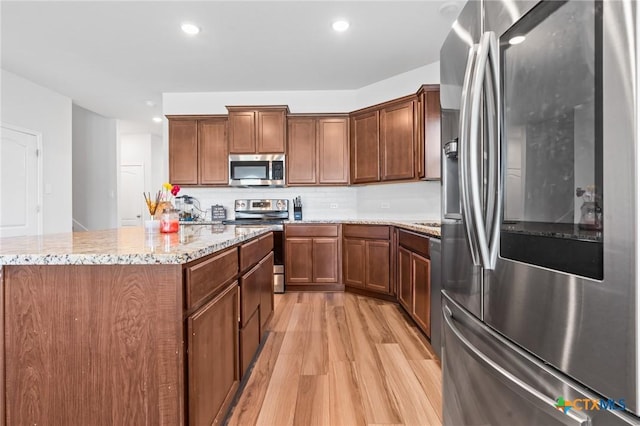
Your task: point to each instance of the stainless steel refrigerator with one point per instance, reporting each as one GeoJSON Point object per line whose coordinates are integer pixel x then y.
{"type": "Point", "coordinates": [540, 112]}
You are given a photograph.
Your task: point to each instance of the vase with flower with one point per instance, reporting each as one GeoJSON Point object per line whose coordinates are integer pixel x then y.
{"type": "Point", "coordinates": [163, 201]}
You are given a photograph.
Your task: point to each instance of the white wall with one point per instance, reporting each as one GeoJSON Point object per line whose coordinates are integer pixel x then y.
{"type": "Point", "coordinates": [94, 170]}
{"type": "Point", "coordinates": [33, 107]}
{"type": "Point", "coordinates": [419, 200]}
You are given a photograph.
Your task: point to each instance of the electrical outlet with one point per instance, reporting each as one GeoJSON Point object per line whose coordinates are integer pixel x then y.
{"type": "Point", "coordinates": [385, 205]}
{"type": "Point", "coordinates": [333, 205]}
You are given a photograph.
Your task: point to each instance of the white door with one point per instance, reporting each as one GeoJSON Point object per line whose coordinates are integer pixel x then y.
{"type": "Point", "coordinates": [132, 204]}
{"type": "Point", "coordinates": [19, 184]}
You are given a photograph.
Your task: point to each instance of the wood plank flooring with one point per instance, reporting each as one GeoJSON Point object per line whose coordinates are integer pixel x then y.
{"type": "Point", "coordinates": [341, 359]}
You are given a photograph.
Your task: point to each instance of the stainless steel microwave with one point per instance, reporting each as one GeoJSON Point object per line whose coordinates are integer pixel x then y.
{"type": "Point", "coordinates": [256, 170]}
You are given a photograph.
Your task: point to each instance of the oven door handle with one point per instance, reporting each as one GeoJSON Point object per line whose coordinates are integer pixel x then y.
{"type": "Point", "coordinates": [513, 382]}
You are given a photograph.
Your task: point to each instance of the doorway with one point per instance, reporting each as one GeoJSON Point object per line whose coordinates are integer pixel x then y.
{"type": "Point", "coordinates": [20, 187]}
{"type": "Point", "coordinates": [131, 199]}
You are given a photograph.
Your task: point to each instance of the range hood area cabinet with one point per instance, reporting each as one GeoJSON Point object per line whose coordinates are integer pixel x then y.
{"type": "Point", "coordinates": [199, 141]}
{"type": "Point", "coordinates": [317, 150]}
{"type": "Point", "coordinates": [257, 130]}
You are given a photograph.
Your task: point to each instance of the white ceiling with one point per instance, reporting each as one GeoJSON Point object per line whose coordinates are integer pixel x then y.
{"type": "Point", "coordinates": [112, 56]}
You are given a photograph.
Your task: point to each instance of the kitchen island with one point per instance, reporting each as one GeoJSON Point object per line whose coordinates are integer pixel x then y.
{"type": "Point", "coordinates": [123, 327]}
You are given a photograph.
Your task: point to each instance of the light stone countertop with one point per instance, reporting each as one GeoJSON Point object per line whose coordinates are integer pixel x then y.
{"type": "Point", "coordinates": [134, 246]}
{"type": "Point", "coordinates": [430, 228]}
{"type": "Point", "coordinates": [124, 246]}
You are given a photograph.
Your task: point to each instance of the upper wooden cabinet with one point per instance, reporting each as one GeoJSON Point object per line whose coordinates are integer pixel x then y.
{"type": "Point", "coordinates": [318, 150]}
{"type": "Point", "coordinates": [398, 140]}
{"type": "Point", "coordinates": [384, 141]}
{"type": "Point", "coordinates": [365, 147]}
{"type": "Point", "coordinates": [198, 152]}
{"type": "Point", "coordinates": [429, 132]}
{"type": "Point", "coordinates": [259, 130]}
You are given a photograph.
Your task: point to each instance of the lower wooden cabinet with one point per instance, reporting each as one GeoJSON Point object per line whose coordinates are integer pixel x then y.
{"type": "Point", "coordinates": [312, 254]}
{"type": "Point", "coordinates": [266, 291]}
{"type": "Point", "coordinates": [367, 258]}
{"type": "Point", "coordinates": [213, 358]}
{"type": "Point", "coordinates": [414, 278]}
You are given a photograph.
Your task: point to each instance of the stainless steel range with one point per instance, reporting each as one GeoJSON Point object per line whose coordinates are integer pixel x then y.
{"type": "Point", "coordinates": [265, 212]}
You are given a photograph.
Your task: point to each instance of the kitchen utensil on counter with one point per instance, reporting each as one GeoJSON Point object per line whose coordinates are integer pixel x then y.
{"type": "Point", "coordinates": [297, 208]}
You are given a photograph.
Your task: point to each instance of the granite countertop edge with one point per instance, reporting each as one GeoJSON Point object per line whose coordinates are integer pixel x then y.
{"type": "Point", "coordinates": [178, 253]}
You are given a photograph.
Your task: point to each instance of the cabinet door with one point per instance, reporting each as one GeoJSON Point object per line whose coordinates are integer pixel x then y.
{"type": "Point", "coordinates": [354, 256]}
{"type": "Point", "coordinates": [397, 141]}
{"type": "Point", "coordinates": [183, 152]}
{"type": "Point", "coordinates": [298, 260]}
{"type": "Point", "coordinates": [250, 294]}
{"type": "Point", "coordinates": [405, 289]}
{"type": "Point", "coordinates": [378, 266]}
{"type": "Point", "coordinates": [365, 149]}
{"type": "Point", "coordinates": [432, 134]}
{"type": "Point", "coordinates": [421, 270]}
{"type": "Point", "coordinates": [325, 260]}
{"type": "Point", "coordinates": [213, 356]}
{"type": "Point", "coordinates": [266, 294]}
{"type": "Point", "coordinates": [333, 150]}
{"type": "Point", "coordinates": [242, 132]}
{"type": "Point", "coordinates": [301, 151]}
{"type": "Point", "coordinates": [271, 133]}
{"type": "Point", "coordinates": [213, 155]}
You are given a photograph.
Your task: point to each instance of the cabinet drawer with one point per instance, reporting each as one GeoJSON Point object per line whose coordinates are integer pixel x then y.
{"type": "Point", "coordinates": [253, 251]}
{"type": "Point", "coordinates": [366, 231]}
{"type": "Point", "coordinates": [414, 242]}
{"type": "Point", "coordinates": [312, 230]}
{"type": "Point", "coordinates": [206, 277]}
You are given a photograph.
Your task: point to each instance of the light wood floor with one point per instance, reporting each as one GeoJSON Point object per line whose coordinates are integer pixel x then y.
{"type": "Point", "coordinates": [341, 359]}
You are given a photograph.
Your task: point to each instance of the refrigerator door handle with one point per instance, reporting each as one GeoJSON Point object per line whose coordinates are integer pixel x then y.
{"type": "Point", "coordinates": [463, 157]}
{"type": "Point", "coordinates": [512, 381]}
{"type": "Point", "coordinates": [487, 55]}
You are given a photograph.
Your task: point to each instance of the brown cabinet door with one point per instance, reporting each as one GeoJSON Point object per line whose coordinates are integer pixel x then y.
{"type": "Point", "coordinates": [301, 151]}
{"type": "Point", "coordinates": [421, 270]}
{"type": "Point", "coordinates": [242, 132]}
{"type": "Point", "coordinates": [325, 260]}
{"type": "Point", "coordinates": [250, 294]}
{"type": "Point", "coordinates": [298, 262]}
{"type": "Point", "coordinates": [378, 266]}
{"type": "Point", "coordinates": [432, 134]}
{"type": "Point", "coordinates": [365, 150]}
{"type": "Point", "coordinates": [333, 150]}
{"type": "Point", "coordinates": [405, 289]}
{"type": "Point", "coordinates": [213, 356]}
{"type": "Point", "coordinates": [183, 152]}
{"type": "Point", "coordinates": [266, 294]}
{"type": "Point", "coordinates": [354, 262]}
{"type": "Point", "coordinates": [271, 132]}
{"type": "Point", "coordinates": [213, 155]}
{"type": "Point", "coordinates": [397, 141]}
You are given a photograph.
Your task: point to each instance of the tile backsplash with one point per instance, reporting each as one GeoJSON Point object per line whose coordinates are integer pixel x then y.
{"type": "Point", "coordinates": [401, 201]}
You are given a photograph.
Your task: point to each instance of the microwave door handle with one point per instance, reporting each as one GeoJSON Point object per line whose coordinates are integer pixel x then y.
{"type": "Point", "coordinates": [463, 157]}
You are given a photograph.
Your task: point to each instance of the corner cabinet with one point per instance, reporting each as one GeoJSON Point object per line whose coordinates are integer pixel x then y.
{"type": "Point", "coordinates": [367, 258]}
{"type": "Point", "coordinates": [312, 254]}
{"type": "Point", "coordinates": [318, 150]}
{"type": "Point", "coordinates": [414, 278]}
{"type": "Point", "coordinates": [384, 142]}
{"type": "Point", "coordinates": [257, 130]}
{"type": "Point", "coordinates": [198, 152]}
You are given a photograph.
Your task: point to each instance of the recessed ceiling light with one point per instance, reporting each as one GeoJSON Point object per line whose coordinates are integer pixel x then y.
{"type": "Point", "coordinates": [340, 26]}
{"type": "Point", "coordinates": [516, 40]}
{"type": "Point", "coordinates": [190, 29]}
{"type": "Point", "coordinates": [150, 103]}
{"type": "Point", "coordinates": [157, 119]}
